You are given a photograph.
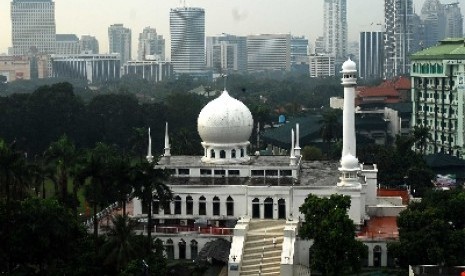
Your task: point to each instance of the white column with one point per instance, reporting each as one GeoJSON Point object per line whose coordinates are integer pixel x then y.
{"type": "Point", "coordinates": [348, 126]}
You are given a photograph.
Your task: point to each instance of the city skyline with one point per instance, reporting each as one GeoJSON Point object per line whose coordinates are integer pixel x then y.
{"type": "Point", "coordinates": [239, 17]}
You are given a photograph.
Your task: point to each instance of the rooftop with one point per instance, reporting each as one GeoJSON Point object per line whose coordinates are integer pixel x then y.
{"type": "Point", "coordinates": [448, 48]}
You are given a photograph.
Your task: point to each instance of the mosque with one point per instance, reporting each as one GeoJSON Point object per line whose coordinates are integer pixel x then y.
{"type": "Point", "coordinates": [253, 201]}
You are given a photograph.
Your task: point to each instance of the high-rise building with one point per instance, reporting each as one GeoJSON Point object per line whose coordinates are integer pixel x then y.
{"type": "Point", "coordinates": [438, 89]}
{"type": "Point", "coordinates": [371, 55]}
{"type": "Point", "coordinates": [319, 46]}
{"type": "Point", "coordinates": [335, 28]}
{"type": "Point", "coordinates": [33, 26]}
{"type": "Point", "coordinates": [398, 16]}
{"type": "Point", "coordinates": [151, 45]}
{"type": "Point", "coordinates": [454, 20]}
{"type": "Point", "coordinates": [187, 28]}
{"type": "Point", "coordinates": [67, 44]}
{"type": "Point", "coordinates": [269, 52]}
{"type": "Point", "coordinates": [299, 54]}
{"type": "Point", "coordinates": [227, 53]}
{"type": "Point", "coordinates": [119, 39]}
{"type": "Point", "coordinates": [322, 65]}
{"type": "Point", "coordinates": [432, 15]}
{"type": "Point", "coordinates": [88, 44]}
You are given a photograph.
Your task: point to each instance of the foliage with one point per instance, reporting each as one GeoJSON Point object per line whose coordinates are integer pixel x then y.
{"type": "Point", "coordinates": [331, 128]}
{"type": "Point", "coordinates": [433, 229]}
{"type": "Point", "coordinates": [311, 153]}
{"type": "Point", "coordinates": [335, 251]}
{"type": "Point", "coordinates": [38, 237]}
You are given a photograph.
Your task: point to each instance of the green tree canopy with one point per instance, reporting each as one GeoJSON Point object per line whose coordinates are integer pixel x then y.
{"type": "Point", "coordinates": [335, 251]}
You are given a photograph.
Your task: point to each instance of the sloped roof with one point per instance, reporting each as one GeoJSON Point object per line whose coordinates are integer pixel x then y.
{"type": "Point", "coordinates": [448, 48]}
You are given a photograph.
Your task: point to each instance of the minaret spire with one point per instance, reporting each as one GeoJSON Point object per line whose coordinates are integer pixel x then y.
{"type": "Point", "coordinates": [293, 158]}
{"type": "Point", "coordinates": [297, 138]}
{"type": "Point", "coordinates": [149, 150]}
{"type": "Point", "coordinates": [167, 151]}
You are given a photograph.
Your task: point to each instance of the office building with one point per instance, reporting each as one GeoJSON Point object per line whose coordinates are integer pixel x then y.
{"type": "Point", "coordinates": [33, 27]}
{"type": "Point", "coordinates": [226, 53]}
{"type": "Point", "coordinates": [88, 44]}
{"type": "Point", "coordinates": [454, 20]}
{"type": "Point", "coordinates": [398, 43]}
{"type": "Point", "coordinates": [335, 28]}
{"type": "Point", "coordinates": [24, 67]}
{"type": "Point", "coordinates": [269, 52]}
{"type": "Point", "coordinates": [434, 24]}
{"type": "Point", "coordinates": [151, 70]}
{"type": "Point", "coordinates": [299, 54]}
{"type": "Point", "coordinates": [371, 55]}
{"type": "Point", "coordinates": [95, 68]}
{"type": "Point", "coordinates": [119, 39]}
{"type": "Point", "coordinates": [438, 89]}
{"type": "Point", "coordinates": [151, 45]}
{"type": "Point", "coordinates": [67, 44]}
{"type": "Point", "coordinates": [187, 29]}
{"type": "Point", "coordinates": [322, 65]}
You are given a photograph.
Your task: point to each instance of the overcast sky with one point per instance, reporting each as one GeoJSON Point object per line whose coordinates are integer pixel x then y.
{"type": "Point", "coordinates": [241, 17]}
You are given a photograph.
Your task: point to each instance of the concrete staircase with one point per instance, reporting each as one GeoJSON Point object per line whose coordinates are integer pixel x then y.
{"type": "Point", "coordinates": [261, 256]}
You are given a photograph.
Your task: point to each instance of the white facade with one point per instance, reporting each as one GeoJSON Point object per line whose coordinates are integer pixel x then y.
{"type": "Point", "coordinates": [322, 66]}
{"type": "Point", "coordinates": [149, 69]}
{"type": "Point", "coordinates": [33, 27]}
{"type": "Point", "coordinates": [335, 28]}
{"type": "Point", "coordinates": [269, 52]}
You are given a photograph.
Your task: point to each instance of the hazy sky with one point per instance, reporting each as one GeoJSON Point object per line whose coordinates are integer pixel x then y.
{"type": "Point", "coordinates": [242, 17]}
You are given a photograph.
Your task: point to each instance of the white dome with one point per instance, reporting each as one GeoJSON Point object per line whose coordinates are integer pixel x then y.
{"type": "Point", "coordinates": [349, 66]}
{"type": "Point", "coordinates": [225, 120]}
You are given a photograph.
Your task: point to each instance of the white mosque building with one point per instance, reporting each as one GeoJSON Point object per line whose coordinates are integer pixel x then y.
{"type": "Point", "coordinates": [253, 201]}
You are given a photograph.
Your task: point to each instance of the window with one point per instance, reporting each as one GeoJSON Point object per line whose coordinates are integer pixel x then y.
{"type": "Point", "coordinates": [169, 248]}
{"type": "Point", "coordinates": [233, 153]}
{"type": "Point", "coordinates": [194, 249]}
{"type": "Point", "coordinates": [222, 154]}
{"type": "Point", "coordinates": [220, 172]}
{"type": "Point", "coordinates": [271, 172]}
{"type": "Point", "coordinates": [183, 171]}
{"type": "Point", "coordinates": [202, 206]}
{"type": "Point", "coordinates": [286, 173]}
{"type": "Point", "coordinates": [242, 152]}
{"type": "Point", "coordinates": [155, 207]}
{"type": "Point", "coordinates": [229, 206]}
{"type": "Point", "coordinates": [233, 172]}
{"type": "Point", "coordinates": [216, 206]}
{"type": "Point", "coordinates": [177, 205]}
{"type": "Point", "coordinates": [258, 173]}
{"type": "Point", "coordinates": [189, 205]}
{"type": "Point", "coordinates": [167, 208]}
{"type": "Point", "coordinates": [212, 153]}
{"type": "Point", "coordinates": [205, 172]}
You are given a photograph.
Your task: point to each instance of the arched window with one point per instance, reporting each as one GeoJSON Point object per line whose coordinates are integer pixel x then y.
{"type": "Point", "coordinates": [377, 253]}
{"type": "Point", "coordinates": [281, 208]}
{"type": "Point", "coordinates": [255, 208]}
{"type": "Point", "coordinates": [194, 249]}
{"type": "Point", "coordinates": [169, 248]}
{"type": "Point", "coordinates": [182, 249]}
{"type": "Point", "coordinates": [167, 207]}
{"type": "Point", "coordinates": [177, 205]}
{"type": "Point", "coordinates": [212, 153]}
{"type": "Point", "coordinates": [222, 154]}
{"type": "Point", "coordinates": [216, 206]}
{"type": "Point", "coordinates": [229, 206]}
{"type": "Point", "coordinates": [189, 205]}
{"type": "Point", "coordinates": [156, 207]}
{"type": "Point", "coordinates": [202, 206]}
{"type": "Point", "coordinates": [242, 152]}
{"type": "Point", "coordinates": [233, 153]}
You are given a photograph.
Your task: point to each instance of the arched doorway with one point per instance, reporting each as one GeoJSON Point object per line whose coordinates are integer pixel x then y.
{"type": "Point", "coordinates": [169, 248]}
{"type": "Point", "coordinates": [229, 206]}
{"type": "Point", "coordinates": [377, 253]}
{"type": "Point", "coordinates": [255, 208]}
{"type": "Point", "coordinates": [194, 249]}
{"type": "Point", "coordinates": [182, 249]}
{"type": "Point", "coordinates": [177, 205]}
{"type": "Point", "coordinates": [281, 208]}
{"type": "Point", "coordinates": [216, 206]}
{"type": "Point", "coordinates": [268, 208]}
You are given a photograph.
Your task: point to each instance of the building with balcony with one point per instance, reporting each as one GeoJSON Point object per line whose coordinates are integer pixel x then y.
{"type": "Point", "coordinates": [438, 95]}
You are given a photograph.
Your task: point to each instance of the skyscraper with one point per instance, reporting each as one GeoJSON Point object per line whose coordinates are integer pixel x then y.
{"type": "Point", "coordinates": [227, 53]}
{"type": "Point", "coordinates": [119, 39]}
{"type": "Point", "coordinates": [335, 28]}
{"type": "Point", "coordinates": [151, 44]}
{"type": "Point", "coordinates": [67, 44]}
{"type": "Point", "coordinates": [432, 15]}
{"type": "Point", "coordinates": [454, 20]}
{"type": "Point", "coordinates": [398, 42]}
{"type": "Point", "coordinates": [33, 26]}
{"type": "Point", "coordinates": [187, 28]}
{"type": "Point", "coordinates": [371, 54]}
{"type": "Point", "coordinates": [269, 52]}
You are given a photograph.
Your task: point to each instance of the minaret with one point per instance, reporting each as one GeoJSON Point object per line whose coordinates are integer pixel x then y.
{"type": "Point", "coordinates": [297, 138]}
{"type": "Point", "coordinates": [167, 152]}
{"type": "Point", "coordinates": [349, 162]}
{"type": "Point", "coordinates": [149, 156]}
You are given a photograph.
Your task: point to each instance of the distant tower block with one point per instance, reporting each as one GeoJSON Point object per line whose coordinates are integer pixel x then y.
{"type": "Point", "coordinates": [349, 162]}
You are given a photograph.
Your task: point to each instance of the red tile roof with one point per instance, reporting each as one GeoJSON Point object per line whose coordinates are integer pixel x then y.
{"type": "Point", "coordinates": [395, 193]}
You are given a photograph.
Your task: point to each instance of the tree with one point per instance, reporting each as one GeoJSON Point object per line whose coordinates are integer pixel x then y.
{"type": "Point", "coordinates": [432, 231]}
{"type": "Point", "coordinates": [149, 185]}
{"type": "Point", "coordinates": [14, 173]}
{"type": "Point", "coordinates": [335, 251]}
{"type": "Point", "coordinates": [311, 153]}
{"type": "Point", "coordinates": [421, 137]}
{"type": "Point", "coordinates": [38, 237]}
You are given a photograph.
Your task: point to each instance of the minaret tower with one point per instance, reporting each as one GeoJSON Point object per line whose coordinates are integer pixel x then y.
{"type": "Point", "coordinates": [349, 162]}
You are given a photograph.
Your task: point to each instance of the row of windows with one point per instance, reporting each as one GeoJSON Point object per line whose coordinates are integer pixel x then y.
{"type": "Point", "coordinates": [221, 172]}
{"type": "Point", "coordinates": [428, 68]}
{"type": "Point", "coordinates": [189, 206]}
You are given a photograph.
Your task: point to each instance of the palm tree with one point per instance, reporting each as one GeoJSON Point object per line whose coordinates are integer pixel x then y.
{"type": "Point", "coordinates": [421, 136]}
{"type": "Point", "coordinates": [122, 179]}
{"type": "Point", "coordinates": [330, 127]}
{"type": "Point", "coordinates": [149, 185]}
{"type": "Point", "coordinates": [14, 173]}
{"type": "Point", "coordinates": [121, 246]}
{"type": "Point", "coordinates": [62, 155]}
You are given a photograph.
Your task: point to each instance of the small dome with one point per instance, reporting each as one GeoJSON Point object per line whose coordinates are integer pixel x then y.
{"type": "Point", "coordinates": [349, 162]}
{"type": "Point", "coordinates": [225, 120]}
{"type": "Point", "coordinates": [349, 66]}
